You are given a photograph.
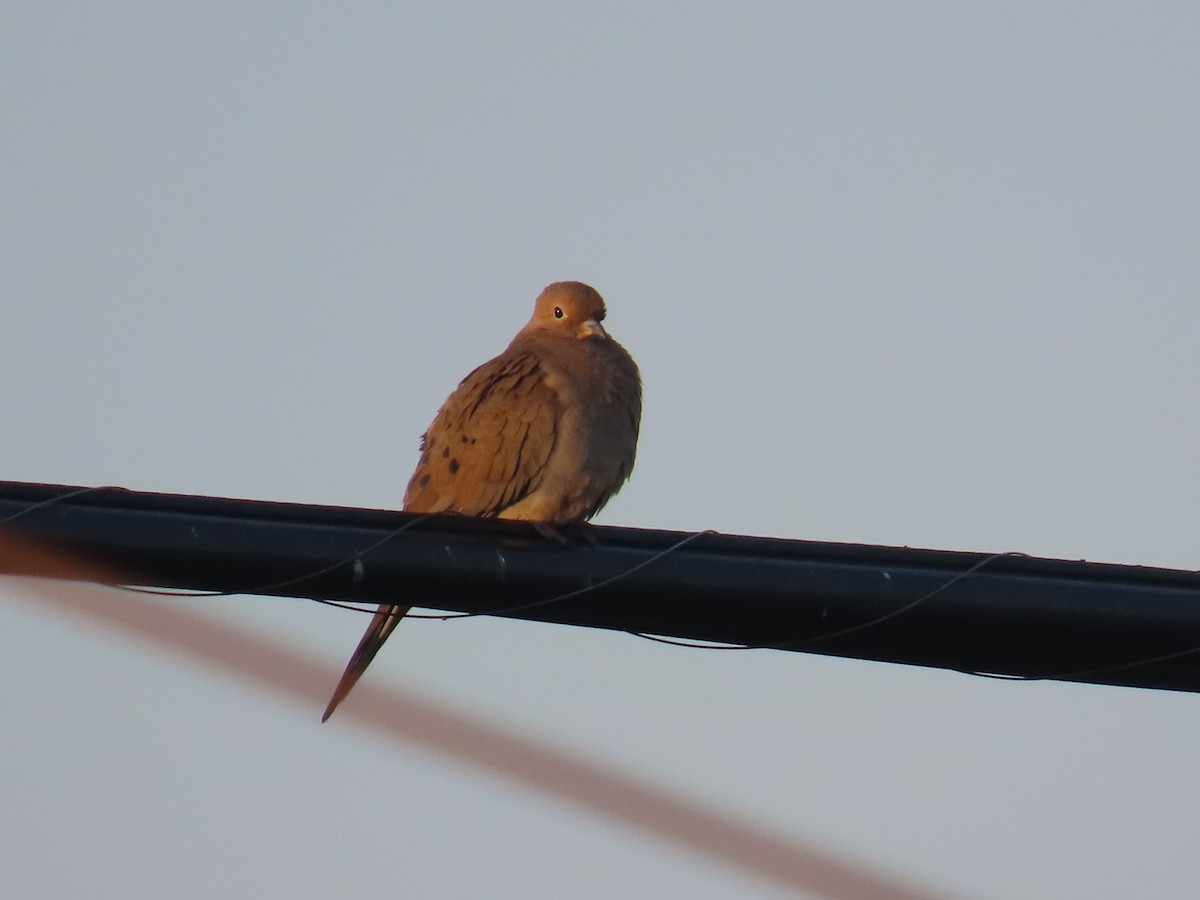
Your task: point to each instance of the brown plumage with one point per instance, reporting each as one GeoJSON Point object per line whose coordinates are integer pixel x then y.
{"type": "Point", "coordinates": [546, 432]}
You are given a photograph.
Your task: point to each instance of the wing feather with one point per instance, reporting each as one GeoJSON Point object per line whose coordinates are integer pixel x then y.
{"type": "Point", "coordinates": [488, 446]}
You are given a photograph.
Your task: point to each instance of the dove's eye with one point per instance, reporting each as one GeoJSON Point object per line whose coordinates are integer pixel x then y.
{"type": "Point", "coordinates": [558, 313]}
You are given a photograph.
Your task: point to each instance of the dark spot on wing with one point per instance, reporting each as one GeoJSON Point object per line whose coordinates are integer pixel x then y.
{"type": "Point", "coordinates": [453, 466]}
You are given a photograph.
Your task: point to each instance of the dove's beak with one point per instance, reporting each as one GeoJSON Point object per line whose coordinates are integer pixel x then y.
{"type": "Point", "coordinates": [592, 329]}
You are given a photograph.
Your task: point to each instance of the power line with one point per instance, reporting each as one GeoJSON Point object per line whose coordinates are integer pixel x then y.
{"type": "Point", "coordinates": [1005, 614]}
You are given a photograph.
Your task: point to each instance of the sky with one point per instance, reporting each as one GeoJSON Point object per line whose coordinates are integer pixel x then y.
{"type": "Point", "coordinates": [921, 274]}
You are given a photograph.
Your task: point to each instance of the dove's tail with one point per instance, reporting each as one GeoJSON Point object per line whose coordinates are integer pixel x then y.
{"type": "Point", "coordinates": [385, 622]}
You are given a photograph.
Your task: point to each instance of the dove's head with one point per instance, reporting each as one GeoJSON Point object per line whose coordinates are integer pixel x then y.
{"type": "Point", "coordinates": [571, 309]}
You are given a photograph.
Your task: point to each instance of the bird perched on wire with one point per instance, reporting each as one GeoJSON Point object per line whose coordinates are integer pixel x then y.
{"type": "Point", "coordinates": [546, 432]}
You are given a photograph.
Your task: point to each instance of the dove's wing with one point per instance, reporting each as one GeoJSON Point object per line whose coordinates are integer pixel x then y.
{"type": "Point", "coordinates": [488, 447]}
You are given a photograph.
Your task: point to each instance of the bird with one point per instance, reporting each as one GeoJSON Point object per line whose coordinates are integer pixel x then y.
{"type": "Point", "coordinates": [545, 433]}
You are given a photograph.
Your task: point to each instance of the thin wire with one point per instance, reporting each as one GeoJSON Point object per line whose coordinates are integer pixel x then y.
{"type": "Point", "coordinates": [692, 645]}
{"type": "Point", "coordinates": [996, 676]}
{"type": "Point", "coordinates": [1057, 676]}
{"type": "Point", "coordinates": [841, 631]}
{"type": "Point", "coordinates": [266, 588]}
{"type": "Point", "coordinates": [348, 605]}
{"type": "Point", "coordinates": [59, 499]}
{"type": "Point", "coordinates": [908, 607]}
{"type": "Point", "coordinates": [578, 591]}
{"type": "Point", "coordinates": [1077, 675]}
{"type": "Point", "coordinates": [719, 646]}
{"type": "Point", "coordinates": [173, 592]}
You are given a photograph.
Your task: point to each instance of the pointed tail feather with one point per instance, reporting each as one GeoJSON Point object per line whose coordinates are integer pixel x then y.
{"type": "Point", "coordinates": [385, 622]}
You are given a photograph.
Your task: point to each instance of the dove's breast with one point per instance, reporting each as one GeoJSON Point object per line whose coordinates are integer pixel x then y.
{"type": "Point", "coordinates": [599, 394]}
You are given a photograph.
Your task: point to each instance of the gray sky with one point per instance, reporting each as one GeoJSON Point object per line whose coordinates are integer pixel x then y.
{"type": "Point", "coordinates": [922, 274]}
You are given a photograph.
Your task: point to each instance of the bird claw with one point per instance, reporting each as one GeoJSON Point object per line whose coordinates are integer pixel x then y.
{"type": "Point", "coordinates": [566, 536]}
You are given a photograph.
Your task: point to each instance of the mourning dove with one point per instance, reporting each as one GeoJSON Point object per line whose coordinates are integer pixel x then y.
{"type": "Point", "coordinates": [546, 432]}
